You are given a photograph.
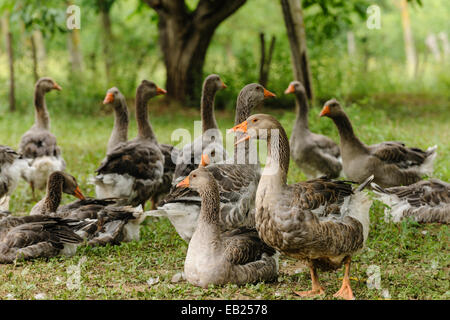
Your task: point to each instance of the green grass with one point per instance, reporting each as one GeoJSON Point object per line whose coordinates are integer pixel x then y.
{"type": "Point", "coordinates": [413, 259]}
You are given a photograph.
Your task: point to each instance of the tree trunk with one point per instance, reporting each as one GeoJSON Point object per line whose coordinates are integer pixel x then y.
{"type": "Point", "coordinates": [184, 56]}
{"type": "Point", "coordinates": [265, 63]}
{"type": "Point", "coordinates": [34, 57]}
{"type": "Point", "coordinates": [73, 43]}
{"type": "Point", "coordinates": [293, 18]}
{"type": "Point", "coordinates": [107, 40]}
{"type": "Point", "coordinates": [184, 37]}
{"type": "Point", "coordinates": [40, 51]}
{"type": "Point", "coordinates": [411, 59]}
{"type": "Point", "coordinates": [9, 49]}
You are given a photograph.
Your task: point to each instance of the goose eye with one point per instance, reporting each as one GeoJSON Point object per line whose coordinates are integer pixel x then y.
{"type": "Point", "coordinates": [213, 153]}
{"type": "Point", "coordinates": [194, 176]}
{"type": "Point", "coordinates": [254, 120]}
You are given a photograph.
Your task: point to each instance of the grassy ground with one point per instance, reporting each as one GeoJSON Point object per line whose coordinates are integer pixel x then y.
{"type": "Point", "coordinates": [413, 260]}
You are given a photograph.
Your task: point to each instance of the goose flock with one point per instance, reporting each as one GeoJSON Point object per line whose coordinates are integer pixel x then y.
{"type": "Point", "coordinates": [236, 215]}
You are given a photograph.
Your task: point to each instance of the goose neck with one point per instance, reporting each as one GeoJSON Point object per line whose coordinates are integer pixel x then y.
{"type": "Point", "coordinates": [207, 108]}
{"type": "Point", "coordinates": [120, 130]}
{"type": "Point", "coordinates": [302, 110]}
{"type": "Point", "coordinates": [277, 163]}
{"type": "Point", "coordinates": [54, 194]}
{"type": "Point", "coordinates": [145, 130]}
{"type": "Point", "coordinates": [346, 132]}
{"type": "Point", "coordinates": [42, 117]}
{"type": "Point", "coordinates": [210, 210]}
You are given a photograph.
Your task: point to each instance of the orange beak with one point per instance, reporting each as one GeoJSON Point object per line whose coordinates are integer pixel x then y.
{"type": "Point", "coordinates": [224, 86]}
{"type": "Point", "coordinates": [79, 194]}
{"type": "Point", "coordinates": [160, 91]}
{"type": "Point", "coordinates": [56, 86]}
{"type": "Point", "coordinates": [109, 98]}
{"type": "Point", "coordinates": [290, 89]}
{"type": "Point", "coordinates": [184, 183]}
{"type": "Point", "coordinates": [247, 137]}
{"type": "Point", "coordinates": [242, 127]}
{"type": "Point", "coordinates": [325, 111]}
{"type": "Point", "coordinates": [205, 160]}
{"type": "Point", "coordinates": [268, 94]}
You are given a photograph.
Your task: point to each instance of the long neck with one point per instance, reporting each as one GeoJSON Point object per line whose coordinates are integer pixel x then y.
{"type": "Point", "coordinates": [54, 194]}
{"type": "Point", "coordinates": [348, 137]}
{"type": "Point", "coordinates": [42, 118]}
{"type": "Point", "coordinates": [243, 111]}
{"type": "Point", "coordinates": [145, 130]}
{"type": "Point", "coordinates": [277, 163]}
{"type": "Point", "coordinates": [302, 110]}
{"type": "Point", "coordinates": [120, 130]}
{"type": "Point", "coordinates": [210, 210]}
{"type": "Point", "coordinates": [207, 108]}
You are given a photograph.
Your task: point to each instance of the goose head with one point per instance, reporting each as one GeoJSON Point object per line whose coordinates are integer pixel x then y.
{"type": "Point", "coordinates": [148, 89]}
{"type": "Point", "coordinates": [254, 94]}
{"type": "Point", "coordinates": [113, 96]}
{"type": "Point", "coordinates": [68, 182]}
{"type": "Point", "coordinates": [47, 84]}
{"type": "Point", "coordinates": [257, 126]}
{"type": "Point", "coordinates": [197, 180]}
{"type": "Point", "coordinates": [213, 81]}
{"type": "Point", "coordinates": [295, 87]}
{"type": "Point", "coordinates": [331, 108]}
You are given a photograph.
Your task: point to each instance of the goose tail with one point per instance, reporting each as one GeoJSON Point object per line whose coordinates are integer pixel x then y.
{"type": "Point", "coordinates": [426, 168]}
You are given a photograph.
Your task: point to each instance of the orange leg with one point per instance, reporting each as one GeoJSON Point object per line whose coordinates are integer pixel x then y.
{"type": "Point", "coordinates": [316, 287]}
{"type": "Point", "coordinates": [346, 291]}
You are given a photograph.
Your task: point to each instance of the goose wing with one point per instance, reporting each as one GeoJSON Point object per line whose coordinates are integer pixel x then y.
{"type": "Point", "coordinates": [139, 160]}
{"type": "Point", "coordinates": [39, 143]}
{"type": "Point", "coordinates": [7, 156]}
{"type": "Point", "coordinates": [243, 245]}
{"type": "Point", "coordinates": [397, 153]}
{"type": "Point", "coordinates": [321, 196]}
{"type": "Point", "coordinates": [427, 192]}
{"type": "Point", "coordinates": [232, 180]}
{"type": "Point", "coordinates": [326, 145]}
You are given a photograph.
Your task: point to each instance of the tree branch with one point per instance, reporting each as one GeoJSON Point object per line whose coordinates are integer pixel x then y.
{"type": "Point", "coordinates": [210, 13]}
{"type": "Point", "coordinates": [168, 7]}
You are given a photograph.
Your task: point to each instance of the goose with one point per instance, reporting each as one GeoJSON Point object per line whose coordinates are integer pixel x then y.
{"type": "Point", "coordinates": [392, 163]}
{"type": "Point", "coordinates": [38, 145]}
{"type": "Point", "coordinates": [216, 257]}
{"type": "Point", "coordinates": [316, 155]}
{"type": "Point", "coordinates": [104, 221]}
{"type": "Point", "coordinates": [426, 201]}
{"type": "Point", "coordinates": [134, 169]}
{"type": "Point", "coordinates": [12, 168]}
{"type": "Point", "coordinates": [210, 142]}
{"type": "Point", "coordinates": [119, 135]}
{"type": "Point", "coordinates": [237, 180]}
{"type": "Point", "coordinates": [322, 222]}
{"type": "Point", "coordinates": [36, 236]}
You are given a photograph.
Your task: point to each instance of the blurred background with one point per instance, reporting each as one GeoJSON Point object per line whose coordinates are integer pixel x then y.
{"type": "Point", "coordinates": [386, 51]}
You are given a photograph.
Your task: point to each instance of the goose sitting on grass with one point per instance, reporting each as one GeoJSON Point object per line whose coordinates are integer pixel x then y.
{"type": "Point", "coordinates": [36, 236]}
{"type": "Point", "coordinates": [392, 163]}
{"type": "Point", "coordinates": [322, 222]}
{"type": "Point", "coordinates": [217, 257]}
{"type": "Point", "coordinates": [426, 201]}
{"type": "Point", "coordinates": [105, 221]}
